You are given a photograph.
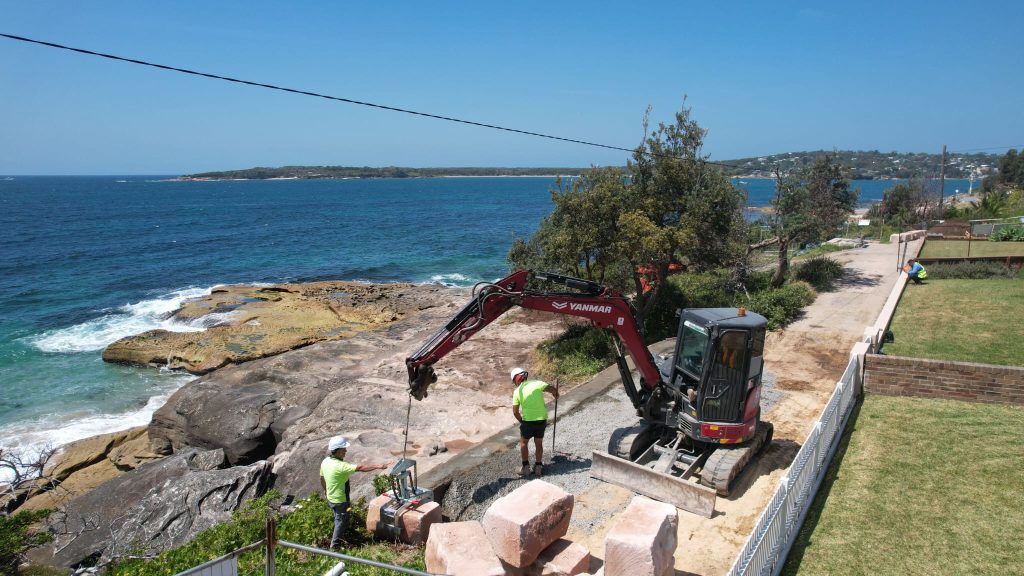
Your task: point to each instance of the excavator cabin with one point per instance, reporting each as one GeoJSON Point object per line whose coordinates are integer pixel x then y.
{"type": "Point", "coordinates": [716, 375]}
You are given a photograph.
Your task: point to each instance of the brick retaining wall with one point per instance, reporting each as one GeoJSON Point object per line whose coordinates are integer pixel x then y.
{"type": "Point", "coordinates": [968, 381]}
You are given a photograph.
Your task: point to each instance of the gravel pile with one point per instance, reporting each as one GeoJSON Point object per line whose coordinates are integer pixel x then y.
{"type": "Point", "coordinates": [586, 429]}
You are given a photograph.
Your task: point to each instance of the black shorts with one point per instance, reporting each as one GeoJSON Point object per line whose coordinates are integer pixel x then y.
{"type": "Point", "coordinates": [533, 429]}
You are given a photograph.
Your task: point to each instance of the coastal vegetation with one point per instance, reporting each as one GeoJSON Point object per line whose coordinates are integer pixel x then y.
{"type": "Point", "coordinates": [308, 522]}
{"type": "Point", "coordinates": [669, 209]}
{"type": "Point", "coordinates": [810, 204]}
{"type": "Point", "coordinates": [20, 532]}
{"type": "Point", "coordinates": [918, 504]}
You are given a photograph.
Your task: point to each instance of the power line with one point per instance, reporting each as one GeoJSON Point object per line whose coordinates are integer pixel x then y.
{"type": "Point", "coordinates": [318, 95]}
{"type": "Point", "coordinates": [338, 98]}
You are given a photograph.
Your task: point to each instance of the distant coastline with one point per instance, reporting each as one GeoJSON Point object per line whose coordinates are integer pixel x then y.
{"type": "Point", "coordinates": [861, 165]}
{"type": "Point", "coordinates": [364, 172]}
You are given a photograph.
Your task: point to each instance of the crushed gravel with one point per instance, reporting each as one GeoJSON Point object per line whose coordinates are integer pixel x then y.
{"type": "Point", "coordinates": [578, 434]}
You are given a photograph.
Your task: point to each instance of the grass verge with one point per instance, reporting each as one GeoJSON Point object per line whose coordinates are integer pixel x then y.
{"type": "Point", "coordinates": [962, 320]}
{"type": "Point", "coordinates": [919, 487]}
{"type": "Point", "coordinates": [979, 248]}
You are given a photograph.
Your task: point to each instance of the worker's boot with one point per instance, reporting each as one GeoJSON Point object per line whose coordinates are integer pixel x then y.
{"type": "Point", "coordinates": [538, 469]}
{"type": "Point", "coordinates": [525, 470]}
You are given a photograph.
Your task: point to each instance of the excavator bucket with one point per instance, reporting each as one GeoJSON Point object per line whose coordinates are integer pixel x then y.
{"type": "Point", "coordinates": [682, 494]}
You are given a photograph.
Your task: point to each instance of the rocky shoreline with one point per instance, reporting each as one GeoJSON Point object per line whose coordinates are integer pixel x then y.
{"type": "Point", "coordinates": [283, 368]}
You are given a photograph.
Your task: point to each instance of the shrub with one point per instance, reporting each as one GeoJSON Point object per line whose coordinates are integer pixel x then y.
{"type": "Point", "coordinates": [689, 290]}
{"type": "Point", "coordinates": [580, 351]}
{"type": "Point", "coordinates": [978, 270]}
{"type": "Point", "coordinates": [381, 483]}
{"type": "Point", "coordinates": [701, 289]}
{"type": "Point", "coordinates": [1008, 234]}
{"type": "Point", "coordinates": [18, 533]}
{"type": "Point", "coordinates": [820, 272]}
{"type": "Point", "coordinates": [781, 306]}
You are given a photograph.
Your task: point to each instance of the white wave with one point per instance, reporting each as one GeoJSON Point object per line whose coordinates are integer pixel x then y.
{"type": "Point", "coordinates": [55, 430]}
{"type": "Point", "coordinates": [128, 320]}
{"type": "Point", "coordinates": [453, 279]}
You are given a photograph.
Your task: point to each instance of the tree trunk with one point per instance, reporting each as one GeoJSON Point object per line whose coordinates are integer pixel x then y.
{"type": "Point", "coordinates": [783, 270]}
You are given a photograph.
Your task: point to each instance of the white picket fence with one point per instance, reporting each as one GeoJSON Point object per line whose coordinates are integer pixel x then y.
{"type": "Point", "coordinates": [766, 550]}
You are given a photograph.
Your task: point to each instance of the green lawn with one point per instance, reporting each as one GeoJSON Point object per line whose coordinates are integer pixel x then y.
{"type": "Point", "coordinates": [965, 320]}
{"type": "Point", "coordinates": [958, 248]}
{"type": "Point", "coordinates": [920, 487]}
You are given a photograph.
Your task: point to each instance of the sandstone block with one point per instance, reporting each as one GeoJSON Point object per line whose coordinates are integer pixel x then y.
{"type": "Point", "coordinates": [523, 523]}
{"type": "Point", "coordinates": [413, 523]}
{"type": "Point", "coordinates": [563, 558]}
{"type": "Point", "coordinates": [373, 513]}
{"type": "Point", "coordinates": [642, 541]}
{"type": "Point", "coordinates": [461, 549]}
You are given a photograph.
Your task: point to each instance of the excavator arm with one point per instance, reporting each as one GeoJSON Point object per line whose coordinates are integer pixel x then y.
{"type": "Point", "coordinates": [604, 308]}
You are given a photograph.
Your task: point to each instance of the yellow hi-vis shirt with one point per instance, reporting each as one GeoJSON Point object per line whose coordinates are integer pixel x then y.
{"type": "Point", "coordinates": [335, 473]}
{"type": "Point", "coordinates": [529, 396]}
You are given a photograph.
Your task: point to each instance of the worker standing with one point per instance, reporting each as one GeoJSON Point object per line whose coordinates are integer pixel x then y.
{"type": "Point", "coordinates": [529, 409]}
{"type": "Point", "coordinates": [915, 271]}
{"type": "Point", "coordinates": [334, 474]}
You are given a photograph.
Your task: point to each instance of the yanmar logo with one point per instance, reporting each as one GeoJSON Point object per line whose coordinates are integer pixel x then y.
{"type": "Point", "coordinates": [577, 307]}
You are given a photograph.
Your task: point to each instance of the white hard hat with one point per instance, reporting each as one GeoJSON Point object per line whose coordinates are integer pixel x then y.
{"type": "Point", "coordinates": [337, 443]}
{"type": "Point", "coordinates": [516, 372]}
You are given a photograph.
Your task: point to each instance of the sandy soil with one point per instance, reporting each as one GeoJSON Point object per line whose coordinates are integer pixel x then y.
{"type": "Point", "coordinates": [807, 359]}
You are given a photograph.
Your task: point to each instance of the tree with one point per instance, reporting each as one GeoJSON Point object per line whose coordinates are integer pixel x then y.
{"type": "Point", "coordinates": [670, 206]}
{"type": "Point", "coordinates": [809, 205]}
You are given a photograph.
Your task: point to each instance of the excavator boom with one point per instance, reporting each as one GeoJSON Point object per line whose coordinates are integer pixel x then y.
{"type": "Point", "coordinates": [604, 308]}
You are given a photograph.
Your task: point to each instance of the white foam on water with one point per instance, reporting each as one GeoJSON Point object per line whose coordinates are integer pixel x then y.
{"type": "Point", "coordinates": [453, 279]}
{"type": "Point", "coordinates": [31, 437]}
{"type": "Point", "coordinates": [127, 320]}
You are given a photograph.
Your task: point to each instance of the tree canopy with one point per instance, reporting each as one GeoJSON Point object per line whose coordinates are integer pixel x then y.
{"type": "Point", "coordinates": [810, 205]}
{"type": "Point", "coordinates": [668, 206]}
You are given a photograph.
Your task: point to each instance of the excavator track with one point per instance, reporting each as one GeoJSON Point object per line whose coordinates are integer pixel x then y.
{"type": "Point", "coordinates": [725, 464]}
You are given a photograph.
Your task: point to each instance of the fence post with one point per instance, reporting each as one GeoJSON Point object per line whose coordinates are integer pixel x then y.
{"type": "Point", "coordinates": [271, 546]}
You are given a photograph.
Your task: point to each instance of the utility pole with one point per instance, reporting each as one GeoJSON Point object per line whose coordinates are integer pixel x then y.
{"type": "Point", "coordinates": [942, 178]}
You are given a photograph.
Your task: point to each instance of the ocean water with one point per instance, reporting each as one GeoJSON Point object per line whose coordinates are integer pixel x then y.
{"type": "Point", "coordinates": [85, 261]}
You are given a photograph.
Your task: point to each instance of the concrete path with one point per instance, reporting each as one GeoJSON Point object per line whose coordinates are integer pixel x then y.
{"type": "Point", "coordinates": [807, 359]}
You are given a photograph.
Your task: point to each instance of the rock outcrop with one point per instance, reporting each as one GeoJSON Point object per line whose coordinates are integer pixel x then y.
{"type": "Point", "coordinates": [83, 465]}
{"type": "Point", "coordinates": [244, 323]}
{"type": "Point", "coordinates": [152, 508]}
{"type": "Point", "coordinates": [286, 407]}
{"type": "Point", "coordinates": [227, 434]}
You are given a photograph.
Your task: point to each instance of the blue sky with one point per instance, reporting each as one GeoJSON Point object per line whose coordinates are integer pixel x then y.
{"type": "Point", "coordinates": [762, 77]}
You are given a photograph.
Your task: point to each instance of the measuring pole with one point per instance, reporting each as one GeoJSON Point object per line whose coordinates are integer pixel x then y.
{"type": "Point", "coordinates": [554, 431]}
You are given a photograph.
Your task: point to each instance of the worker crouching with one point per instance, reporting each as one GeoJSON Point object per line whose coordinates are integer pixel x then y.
{"type": "Point", "coordinates": [529, 409]}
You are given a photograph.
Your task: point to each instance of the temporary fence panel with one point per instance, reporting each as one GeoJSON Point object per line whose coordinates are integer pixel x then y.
{"type": "Point", "coordinates": [224, 566]}
{"type": "Point", "coordinates": [766, 548]}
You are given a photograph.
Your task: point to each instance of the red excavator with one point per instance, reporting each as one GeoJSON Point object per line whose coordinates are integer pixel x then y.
{"type": "Point", "coordinates": [699, 410]}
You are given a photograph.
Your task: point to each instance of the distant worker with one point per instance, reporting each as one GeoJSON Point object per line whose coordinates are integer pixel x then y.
{"type": "Point", "coordinates": [334, 473]}
{"type": "Point", "coordinates": [529, 409]}
{"type": "Point", "coordinates": [915, 271]}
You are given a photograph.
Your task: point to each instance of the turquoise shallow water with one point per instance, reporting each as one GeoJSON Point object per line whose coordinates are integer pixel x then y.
{"type": "Point", "coordinates": [88, 260]}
